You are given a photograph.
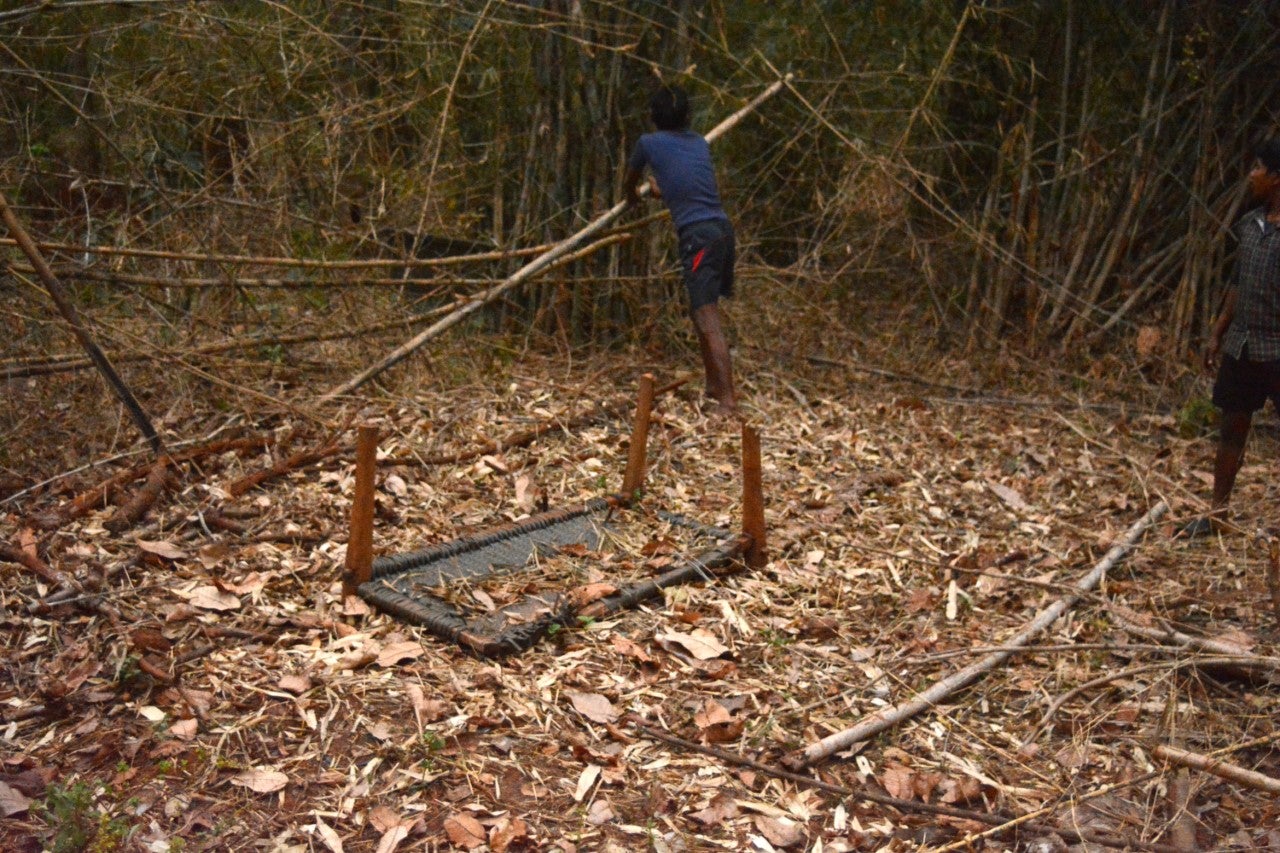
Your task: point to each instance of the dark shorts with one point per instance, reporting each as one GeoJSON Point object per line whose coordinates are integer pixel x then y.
{"type": "Point", "coordinates": [1245, 386]}
{"type": "Point", "coordinates": [706, 257]}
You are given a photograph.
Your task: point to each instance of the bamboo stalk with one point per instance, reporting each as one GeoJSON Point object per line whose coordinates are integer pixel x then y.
{"type": "Point", "coordinates": [359, 562]}
{"type": "Point", "coordinates": [633, 478]}
{"type": "Point", "coordinates": [1216, 767]}
{"type": "Point", "coordinates": [892, 715]}
{"type": "Point", "coordinates": [529, 270]}
{"type": "Point", "coordinates": [69, 313]}
{"type": "Point", "coordinates": [753, 525]}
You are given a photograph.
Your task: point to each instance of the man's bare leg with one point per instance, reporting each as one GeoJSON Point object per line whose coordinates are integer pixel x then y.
{"type": "Point", "coordinates": [1231, 439]}
{"type": "Point", "coordinates": [715, 358]}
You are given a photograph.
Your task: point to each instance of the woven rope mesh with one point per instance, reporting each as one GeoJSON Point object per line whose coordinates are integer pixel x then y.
{"type": "Point", "coordinates": [417, 586]}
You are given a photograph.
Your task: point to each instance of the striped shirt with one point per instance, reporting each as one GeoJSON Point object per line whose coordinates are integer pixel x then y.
{"type": "Point", "coordinates": [1256, 321]}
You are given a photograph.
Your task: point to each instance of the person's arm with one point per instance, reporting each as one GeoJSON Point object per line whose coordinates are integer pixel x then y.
{"type": "Point", "coordinates": [631, 184]}
{"type": "Point", "coordinates": [1214, 349]}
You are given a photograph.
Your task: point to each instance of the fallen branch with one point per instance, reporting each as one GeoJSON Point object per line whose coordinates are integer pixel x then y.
{"type": "Point", "coordinates": [1171, 666]}
{"type": "Point", "coordinates": [997, 820]}
{"type": "Point", "coordinates": [129, 514]}
{"type": "Point", "coordinates": [1221, 769]}
{"type": "Point", "coordinates": [15, 554]}
{"type": "Point", "coordinates": [894, 714]}
{"type": "Point", "coordinates": [103, 493]}
{"type": "Point", "coordinates": [284, 466]}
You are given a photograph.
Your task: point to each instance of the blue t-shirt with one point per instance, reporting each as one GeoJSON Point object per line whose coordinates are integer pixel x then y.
{"type": "Point", "coordinates": [681, 162]}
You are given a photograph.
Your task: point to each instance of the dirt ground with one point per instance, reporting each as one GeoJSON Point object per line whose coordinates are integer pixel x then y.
{"type": "Point", "coordinates": [203, 685]}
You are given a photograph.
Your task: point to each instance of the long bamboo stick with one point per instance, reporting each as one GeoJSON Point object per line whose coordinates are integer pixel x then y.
{"type": "Point", "coordinates": [892, 715]}
{"type": "Point", "coordinates": [69, 313]}
{"type": "Point", "coordinates": [530, 269]}
{"type": "Point", "coordinates": [1217, 767]}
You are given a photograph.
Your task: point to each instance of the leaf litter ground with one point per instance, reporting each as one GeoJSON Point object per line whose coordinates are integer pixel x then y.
{"type": "Point", "coordinates": [228, 698]}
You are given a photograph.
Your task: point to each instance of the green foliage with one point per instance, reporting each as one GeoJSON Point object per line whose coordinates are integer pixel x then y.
{"type": "Point", "coordinates": [76, 824]}
{"type": "Point", "coordinates": [1197, 417]}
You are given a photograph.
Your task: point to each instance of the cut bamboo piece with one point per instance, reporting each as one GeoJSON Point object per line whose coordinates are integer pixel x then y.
{"type": "Point", "coordinates": [1221, 769]}
{"type": "Point", "coordinates": [359, 565]}
{"type": "Point", "coordinates": [753, 499]}
{"type": "Point", "coordinates": [633, 479]}
{"type": "Point", "coordinates": [529, 270]}
{"type": "Point", "coordinates": [890, 716]}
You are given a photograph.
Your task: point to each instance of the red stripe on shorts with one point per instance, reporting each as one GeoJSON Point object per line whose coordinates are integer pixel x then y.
{"type": "Point", "coordinates": [697, 259]}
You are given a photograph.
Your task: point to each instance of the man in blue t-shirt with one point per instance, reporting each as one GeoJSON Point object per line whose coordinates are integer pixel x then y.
{"type": "Point", "coordinates": [684, 177]}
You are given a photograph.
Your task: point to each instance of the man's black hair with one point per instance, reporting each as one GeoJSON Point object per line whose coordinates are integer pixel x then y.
{"type": "Point", "coordinates": [1268, 152]}
{"type": "Point", "coordinates": [669, 108]}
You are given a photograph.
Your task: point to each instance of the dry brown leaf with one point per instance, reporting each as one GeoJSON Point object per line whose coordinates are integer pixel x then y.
{"type": "Point", "coordinates": [329, 836]}
{"type": "Point", "coordinates": [262, 781]}
{"type": "Point", "coordinates": [12, 801]}
{"type": "Point", "coordinates": [167, 550]}
{"type": "Point", "coordinates": [295, 684]}
{"type": "Point", "coordinates": [594, 707]}
{"type": "Point", "coordinates": [185, 729]}
{"type": "Point", "coordinates": [588, 778]}
{"type": "Point", "coordinates": [721, 808]}
{"type": "Point", "coordinates": [209, 597]}
{"type": "Point", "coordinates": [780, 831]}
{"type": "Point", "coordinates": [506, 832]}
{"type": "Point", "coordinates": [700, 643]}
{"type": "Point", "coordinates": [899, 781]}
{"type": "Point", "coordinates": [465, 831]}
{"type": "Point", "coordinates": [395, 653]}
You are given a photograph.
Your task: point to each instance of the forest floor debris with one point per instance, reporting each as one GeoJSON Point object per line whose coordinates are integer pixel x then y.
{"type": "Point", "coordinates": [195, 680]}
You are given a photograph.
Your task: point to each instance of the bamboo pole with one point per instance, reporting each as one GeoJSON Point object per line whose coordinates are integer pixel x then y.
{"type": "Point", "coordinates": [1216, 767]}
{"type": "Point", "coordinates": [68, 310]}
{"type": "Point", "coordinates": [633, 479]}
{"type": "Point", "coordinates": [359, 564]}
{"type": "Point", "coordinates": [753, 499]}
{"type": "Point", "coordinates": [534, 267]}
{"type": "Point", "coordinates": [890, 716]}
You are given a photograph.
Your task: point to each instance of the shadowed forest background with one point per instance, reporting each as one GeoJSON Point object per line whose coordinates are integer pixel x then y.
{"type": "Point", "coordinates": [1055, 175]}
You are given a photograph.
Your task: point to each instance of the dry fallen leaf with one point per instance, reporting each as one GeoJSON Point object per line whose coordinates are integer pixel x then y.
{"type": "Point", "coordinates": [465, 831]}
{"type": "Point", "coordinates": [295, 684]}
{"type": "Point", "coordinates": [395, 653]}
{"type": "Point", "coordinates": [391, 839]}
{"type": "Point", "coordinates": [263, 781]}
{"type": "Point", "coordinates": [329, 836]}
{"type": "Point", "coordinates": [585, 781]}
{"type": "Point", "coordinates": [700, 643]}
{"type": "Point", "coordinates": [167, 550]}
{"type": "Point", "coordinates": [594, 707]}
{"type": "Point", "coordinates": [12, 801]}
{"type": "Point", "coordinates": [209, 597]}
{"type": "Point", "coordinates": [781, 831]}
{"type": "Point", "coordinates": [721, 808]}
